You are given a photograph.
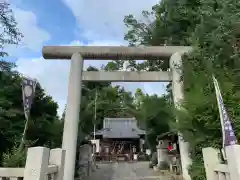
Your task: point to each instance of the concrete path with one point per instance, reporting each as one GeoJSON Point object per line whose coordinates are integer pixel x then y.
{"type": "Point", "coordinates": [125, 171]}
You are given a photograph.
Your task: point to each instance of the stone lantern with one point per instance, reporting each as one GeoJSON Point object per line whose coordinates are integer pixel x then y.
{"type": "Point", "coordinates": [162, 154]}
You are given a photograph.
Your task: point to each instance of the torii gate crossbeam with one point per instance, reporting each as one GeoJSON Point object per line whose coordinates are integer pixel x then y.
{"type": "Point", "coordinates": [126, 76]}
{"type": "Point", "coordinates": [78, 53]}
{"type": "Point", "coordinates": [113, 52]}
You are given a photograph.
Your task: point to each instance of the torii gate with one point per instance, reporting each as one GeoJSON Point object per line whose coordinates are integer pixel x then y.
{"type": "Point", "coordinates": [77, 54]}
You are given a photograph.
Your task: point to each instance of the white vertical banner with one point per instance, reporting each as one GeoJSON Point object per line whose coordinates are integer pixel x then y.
{"type": "Point", "coordinates": [28, 92]}
{"type": "Point", "coordinates": [228, 135]}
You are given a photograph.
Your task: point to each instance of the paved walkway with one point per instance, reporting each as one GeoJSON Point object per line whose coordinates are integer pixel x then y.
{"type": "Point", "coordinates": [125, 171]}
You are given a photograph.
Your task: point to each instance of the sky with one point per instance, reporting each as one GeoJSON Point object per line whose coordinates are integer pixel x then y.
{"type": "Point", "coordinates": [71, 22]}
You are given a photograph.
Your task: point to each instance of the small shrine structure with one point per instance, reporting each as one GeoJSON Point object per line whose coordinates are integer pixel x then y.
{"type": "Point", "coordinates": [119, 139]}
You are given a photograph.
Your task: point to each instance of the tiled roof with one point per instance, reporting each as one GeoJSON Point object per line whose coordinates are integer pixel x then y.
{"type": "Point", "coordinates": [120, 128]}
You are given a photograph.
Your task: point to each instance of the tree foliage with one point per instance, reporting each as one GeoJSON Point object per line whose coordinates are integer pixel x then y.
{"type": "Point", "coordinates": [44, 126]}
{"type": "Point", "coordinates": [9, 33]}
{"type": "Point", "coordinates": [154, 114]}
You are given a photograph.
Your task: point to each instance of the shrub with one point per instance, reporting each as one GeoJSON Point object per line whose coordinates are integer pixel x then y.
{"type": "Point", "coordinates": [14, 158]}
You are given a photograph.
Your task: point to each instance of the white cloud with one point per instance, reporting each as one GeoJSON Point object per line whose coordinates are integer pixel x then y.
{"type": "Point", "coordinates": [104, 19]}
{"type": "Point", "coordinates": [34, 36]}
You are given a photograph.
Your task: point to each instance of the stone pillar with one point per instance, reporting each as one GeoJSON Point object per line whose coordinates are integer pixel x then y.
{"type": "Point", "coordinates": [140, 145]}
{"type": "Point", "coordinates": [233, 161]}
{"type": "Point", "coordinates": [142, 141]}
{"type": "Point", "coordinates": [177, 89]}
{"type": "Point", "coordinates": [71, 122]}
{"type": "Point", "coordinates": [36, 163]}
{"type": "Point", "coordinates": [162, 155]}
{"type": "Point", "coordinates": [57, 157]}
{"type": "Point", "coordinates": [211, 160]}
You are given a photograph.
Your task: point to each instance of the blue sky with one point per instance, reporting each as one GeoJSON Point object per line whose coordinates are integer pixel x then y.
{"type": "Point", "coordinates": [71, 22]}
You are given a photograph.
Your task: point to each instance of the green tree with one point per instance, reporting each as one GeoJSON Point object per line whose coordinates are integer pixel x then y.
{"type": "Point", "coordinates": [173, 23]}
{"type": "Point", "coordinates": [154, 114]}
{"type": "Point", "coordinates": [44, 126]}
{"type": "Point", "coordinates": [9, 33]}
{"type": "Point", "coordinates": [216, 52]}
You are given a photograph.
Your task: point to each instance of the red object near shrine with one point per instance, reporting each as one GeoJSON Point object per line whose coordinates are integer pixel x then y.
{"type": "Point", "coordinates": [170, 148]}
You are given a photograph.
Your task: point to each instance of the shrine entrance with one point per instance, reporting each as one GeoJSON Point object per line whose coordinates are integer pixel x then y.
{"type": "Point", "coordinates": [120, 139]}
{"type": "Point", "coordinates": [77, 54]}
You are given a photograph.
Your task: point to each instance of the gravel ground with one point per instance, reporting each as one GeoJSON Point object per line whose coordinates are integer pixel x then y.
{"type": "Point", "coordinates": [125, 171]}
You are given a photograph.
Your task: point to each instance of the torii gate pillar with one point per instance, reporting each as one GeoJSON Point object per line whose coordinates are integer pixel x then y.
{"type": "Point", "coordinates": [177, 90]}
{"type": "Point", "coordinates": [70, 133]}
